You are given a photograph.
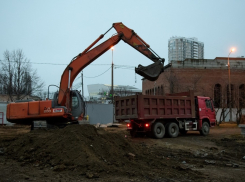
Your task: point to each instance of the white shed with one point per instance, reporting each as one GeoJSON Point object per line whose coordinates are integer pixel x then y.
{"type": "Point", "coordinates": [3, 107]}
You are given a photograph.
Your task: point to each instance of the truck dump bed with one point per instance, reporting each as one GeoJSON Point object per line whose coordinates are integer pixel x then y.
{"type": "Point", "coordinates": [150, 107]}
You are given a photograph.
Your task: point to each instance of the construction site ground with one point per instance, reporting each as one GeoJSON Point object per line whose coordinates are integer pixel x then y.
{"type": "Point", "coordinates": [86, 153]}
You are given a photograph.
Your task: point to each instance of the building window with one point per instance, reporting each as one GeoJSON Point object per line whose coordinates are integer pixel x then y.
{"type": "Point", "coordinates": [217, 95]}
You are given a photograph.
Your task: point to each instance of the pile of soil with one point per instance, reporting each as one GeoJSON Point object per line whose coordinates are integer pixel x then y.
{"type": "Point", "coordinates": [95, 153]}
{"type": "Point", "coordinates": [234, 145]}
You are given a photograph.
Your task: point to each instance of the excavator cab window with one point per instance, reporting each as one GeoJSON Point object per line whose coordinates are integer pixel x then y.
{"type": "Point", "coordinates": [55, 99]}
{"type": "Point", "coordinates": [75, 102]}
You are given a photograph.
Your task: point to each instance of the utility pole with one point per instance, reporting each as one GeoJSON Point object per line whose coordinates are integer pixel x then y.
{"type": "Point", "coordinates": [112, 86]}
{"type": "Point", "coordinates": [112, 89]}
{"type": "Point", "coordinates": [229, 76]}
{"type": "Point", "coordinates": [82, 83]}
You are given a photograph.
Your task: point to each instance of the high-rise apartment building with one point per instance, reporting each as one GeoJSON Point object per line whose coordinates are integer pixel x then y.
{"type": "Point", "coordinates": [180, 48]}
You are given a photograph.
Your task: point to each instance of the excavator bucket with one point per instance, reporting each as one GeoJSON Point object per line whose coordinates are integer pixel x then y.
{"type": "Point", "coordinates": [150, 72]}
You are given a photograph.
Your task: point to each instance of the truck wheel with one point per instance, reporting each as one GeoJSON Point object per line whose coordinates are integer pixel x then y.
{"type": "Point", "coordinates": [173, 130]}
{"type": "Point", "coordinates": [205, 129]}
{"type": "Point", "coordinates": [158, 130]}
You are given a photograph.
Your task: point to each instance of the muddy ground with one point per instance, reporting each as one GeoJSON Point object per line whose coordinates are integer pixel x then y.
{"type": "Point", "coordinates": [86, 153]}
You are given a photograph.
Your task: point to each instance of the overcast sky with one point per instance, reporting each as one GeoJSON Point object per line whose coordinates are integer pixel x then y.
{"type": "Point", "coordinates": [56, 31]}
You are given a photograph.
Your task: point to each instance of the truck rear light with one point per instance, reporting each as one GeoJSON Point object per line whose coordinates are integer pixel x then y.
{"type": "Point", "coordinates": [128, 125]}
{"type": "Point", "coordinates": [146, 125]}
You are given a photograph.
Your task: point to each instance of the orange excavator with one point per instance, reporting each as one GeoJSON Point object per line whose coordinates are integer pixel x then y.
{"type": "Point", "coordinates": [67, 105]}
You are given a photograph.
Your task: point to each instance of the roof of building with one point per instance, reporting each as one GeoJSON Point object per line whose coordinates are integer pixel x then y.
{"type": "Point", "coordinates": [231, 58]}
{"type": "Point", "coordinates": [217, 63]}
{"type": "Point", "coordinates": [194, 39]}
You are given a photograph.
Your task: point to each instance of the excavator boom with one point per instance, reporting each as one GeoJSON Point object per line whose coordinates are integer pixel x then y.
{"type": "Point", "coordinates": [124, 33]}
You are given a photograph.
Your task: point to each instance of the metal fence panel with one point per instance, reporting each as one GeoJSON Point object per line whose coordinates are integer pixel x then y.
{"type": "Point", "coordinates": [100, 113]}
{"type": "Point", "coordinates": [3, 107]}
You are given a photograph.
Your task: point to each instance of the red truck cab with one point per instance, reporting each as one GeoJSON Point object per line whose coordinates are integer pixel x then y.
{"type": "Point", "coordinates": [206, 110]}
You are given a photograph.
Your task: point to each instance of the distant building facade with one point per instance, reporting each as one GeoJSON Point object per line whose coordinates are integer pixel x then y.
{"type": "Point", "coordinates": [207, 77]}
{"type": "Point", "coordinates": [181, 48]}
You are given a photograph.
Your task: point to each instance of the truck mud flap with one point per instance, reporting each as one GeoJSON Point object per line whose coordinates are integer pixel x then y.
{"type": "Point", "coordinates": [150, 72]}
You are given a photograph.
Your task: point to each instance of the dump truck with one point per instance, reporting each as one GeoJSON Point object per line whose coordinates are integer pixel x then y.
{"type": "Point", "coordinates": [171, 114]}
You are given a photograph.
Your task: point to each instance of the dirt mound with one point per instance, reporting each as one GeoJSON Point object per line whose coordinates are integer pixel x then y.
{"type": "Point", "coordinates": [76, 145]}
{"type": "Point", "coordinates": [94, 153]}
{"type": "Point", "coordinates": [235, 144]}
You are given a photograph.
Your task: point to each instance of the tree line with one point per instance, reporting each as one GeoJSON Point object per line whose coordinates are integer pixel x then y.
{"type": "Point", "coordinates": [17, 78]}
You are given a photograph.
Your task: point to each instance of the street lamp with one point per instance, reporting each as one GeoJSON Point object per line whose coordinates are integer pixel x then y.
{"type": "Point", "coordinates": [229, 74]}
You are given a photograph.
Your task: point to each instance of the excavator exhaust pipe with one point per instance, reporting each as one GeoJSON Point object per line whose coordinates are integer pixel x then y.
{"type": "Point", "coordinates": [150, 72]}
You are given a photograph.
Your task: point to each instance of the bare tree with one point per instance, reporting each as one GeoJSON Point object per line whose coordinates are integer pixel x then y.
{"type": "Point", "coordinates": [223, 105]}
{"type": "Point", "coordinates": [17, 78]}
{"type": "Point", "coordinates": [122, 91]}
{"type": "Point", "coordinates": [44, 95]}
{"type": "Point", "coordinates": [106, 94]}
{"type": "Point", "coordinates": [194, 80]}
{"type": "Point", "coordinates": [174, 82]}
{"type": "Point", "coordinates": [239, 103]}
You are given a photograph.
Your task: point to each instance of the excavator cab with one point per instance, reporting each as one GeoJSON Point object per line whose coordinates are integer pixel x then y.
{"type": "Point", "coordinates": [77, 104]}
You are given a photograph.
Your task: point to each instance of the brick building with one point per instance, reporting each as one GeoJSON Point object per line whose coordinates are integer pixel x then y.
{"type": "Point", "coordinates": [207, 77]}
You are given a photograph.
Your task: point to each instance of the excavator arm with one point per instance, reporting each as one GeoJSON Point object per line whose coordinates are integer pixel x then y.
{"type": "Point", "coordinates": [131, 38]}
{"type": "Point", "coordinates": [78, 63]}
{"type": "Point", "coordinates": [150, 72]}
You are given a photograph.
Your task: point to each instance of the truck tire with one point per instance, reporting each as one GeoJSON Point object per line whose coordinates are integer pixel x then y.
{"type": "Point", "coordinates": [205, 129]}
{"type": "Point", "coordinates": [172, 130]}
{"type": "Point", "coordinates": [158, 130]}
